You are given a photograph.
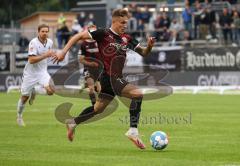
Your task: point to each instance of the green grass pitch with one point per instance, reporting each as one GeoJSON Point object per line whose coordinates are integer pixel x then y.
{"type": "Point", "coordinates": [204, 130]}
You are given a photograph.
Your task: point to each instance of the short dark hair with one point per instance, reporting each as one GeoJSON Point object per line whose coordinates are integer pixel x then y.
{"type": "Point", "coordinates": [120, 13]}
{"type": "Point", "coordinates": [42, 26]}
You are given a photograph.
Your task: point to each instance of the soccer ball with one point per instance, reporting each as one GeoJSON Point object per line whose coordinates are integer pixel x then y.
{"type": "Point", "coordinates": [159, 140]}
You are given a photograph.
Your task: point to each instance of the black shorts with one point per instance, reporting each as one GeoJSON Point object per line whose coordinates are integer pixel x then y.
{"type": "Point", "coordinates": [90, 74]}
{"type": "Point", "coordinates": [111, 86]}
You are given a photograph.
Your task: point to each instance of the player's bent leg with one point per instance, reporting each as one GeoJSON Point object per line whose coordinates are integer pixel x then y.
{"type": "Point", "coordinates": [134, 93]}
{"type": "Point", "coordinates": [47, 84]}
{"type": "Point", "coordinates": [90, 84]}
{"type": "Point", "coordinates": [97, 87]}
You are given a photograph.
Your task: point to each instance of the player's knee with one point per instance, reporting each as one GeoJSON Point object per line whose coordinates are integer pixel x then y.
{"type": "Point", "coordinates": [24, 99]}
{"type": "Point", "coordinates": [97, 89]}
{"type": "Point", "coordinates": [137, 94]}
{"type": "Point", "coordinates": [91, 89]}
{"type": "Point", "coordinates": [98, 108]}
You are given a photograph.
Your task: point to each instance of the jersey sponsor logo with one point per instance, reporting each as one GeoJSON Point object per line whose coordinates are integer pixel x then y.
{"type": "Point", "coordinates": [119, 46]}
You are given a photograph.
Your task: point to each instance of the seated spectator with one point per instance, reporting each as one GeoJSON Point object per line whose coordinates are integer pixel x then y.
{"type": "Point", "coordinates": [175, 29]}
{"type": "Point", "coordinates": [186, 39]}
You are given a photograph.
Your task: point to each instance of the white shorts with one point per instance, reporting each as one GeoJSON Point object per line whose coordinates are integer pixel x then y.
{"type": "Point", "coordinates": [29, 81]}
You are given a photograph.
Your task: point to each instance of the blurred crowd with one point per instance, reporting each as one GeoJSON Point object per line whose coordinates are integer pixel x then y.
{"type": "Point", "coordinates": [196, 21]}
{"type": "Point", "coordinates": [79, 24]}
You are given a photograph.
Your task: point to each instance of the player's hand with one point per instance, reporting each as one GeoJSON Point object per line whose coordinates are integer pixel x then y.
{"type": "Point", "coordinates": [50, 53]}
{"type": "Point", "coordinates": [58, 57]}
{"type": "Point", "coordinates": [151, 41]}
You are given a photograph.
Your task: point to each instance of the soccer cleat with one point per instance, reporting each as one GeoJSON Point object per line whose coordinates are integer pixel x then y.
{"type": "Point", "coordinates": [32, 97]}
{"type": "Point", "coordinates": [20, 121]}
{"type": "Point", "coordinates": [135, 139]}
{"type": "Point", "coordinates": [70, 131]}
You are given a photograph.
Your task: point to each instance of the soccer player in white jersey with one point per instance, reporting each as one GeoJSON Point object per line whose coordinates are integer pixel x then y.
{"type": "Point", "coordinates": [35, 71]}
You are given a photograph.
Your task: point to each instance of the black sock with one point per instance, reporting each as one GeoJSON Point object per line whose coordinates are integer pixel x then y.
{"type": "Point", "coordinates": [86, 114]}
{"type": "Point", "coordinates": [92, 98]}
{"type": "Point", "coordinates": [135, 109]}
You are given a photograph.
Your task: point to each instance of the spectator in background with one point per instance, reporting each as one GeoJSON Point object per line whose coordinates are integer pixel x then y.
{"type": "Point", "coordinates": [203, 26]}
{"type": "Point", "coordinates": [187, 18]}
{"type": "Point", "coordinates": [63, 35]}
{"type": "Point", "coordinates": [132, 8]}
{"type": "Point", "coordinates": [132, 25]}
{"type": "Point", "coordinates": [90, 20]}
{"type": "Point", "coordinates": [236, 28]}
{"type": "Point", "coordinates": [61, 19]}
{"type": "Point", "coordinates": [186, 39]}
{"type": "Point", "coordinates": [140, 28]}
{"type": "Point", "coordinates": [151, 25]}
{"type": "Point", "coordinates": [145, 15]}
{"type": "Point", "coordinates": [81, 17]}
{"type": "Point", "coordinates": [165, 20]}
{"type": "Point", "coordinates": [225, 23]}
{"type": "Point", "coordinates": [23, 43]}
{"type": "Point", "coordinates": [62, 31]}
{"type": "Point", "coordinates": [76, 27]}
{"type": "Point", "coordinates": [211, 18]}
{"type": "Point", "coordinates": [175, 29]}
{"type": "Point", "coordinates": [158, 27]}
{"type": "Point", "coordinates": [197, 20]}
{"type": "Point", "coordinates": [138, 14]}
{"type": "Point", "coordinates": [162, 24]}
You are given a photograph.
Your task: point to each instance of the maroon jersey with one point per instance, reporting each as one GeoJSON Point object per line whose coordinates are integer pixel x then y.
{"type": "Point", "coordinates": [89, 49]}
{"type": "Point", "coordinates": [112, 48]}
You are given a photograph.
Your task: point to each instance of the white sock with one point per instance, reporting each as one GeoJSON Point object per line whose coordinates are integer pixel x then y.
{"type": "Point", "coordinates": [20, 108]}
{"type": "Point", "coordinates": [133, 130]}
{"type": "Point", "coordinates": [40, 90]}
{"type": "Point", "coordinates": [173, 41]}
{"type": "Point", "coordinates": [71, 123]}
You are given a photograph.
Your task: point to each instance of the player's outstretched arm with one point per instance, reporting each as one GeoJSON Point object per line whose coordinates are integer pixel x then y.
{"type": "Point", "coordinates": [144, 51]}
{"type": "Point", "coordinates": [35, 59]}
{"type": "Point", "coordinates": [80, 36]}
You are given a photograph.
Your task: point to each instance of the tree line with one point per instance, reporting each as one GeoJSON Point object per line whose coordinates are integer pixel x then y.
{"type": "Point", "coordinates": [11, 11]}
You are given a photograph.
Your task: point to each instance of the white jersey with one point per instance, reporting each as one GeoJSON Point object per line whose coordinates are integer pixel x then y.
{"type": "Point", "coordinates": [37, 48]}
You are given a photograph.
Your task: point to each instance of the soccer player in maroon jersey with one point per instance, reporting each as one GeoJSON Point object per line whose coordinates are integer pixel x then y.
{"type": "Point", "coordinates": [89, 52]}
{"type": "Point", "coordinates": [113, 43]}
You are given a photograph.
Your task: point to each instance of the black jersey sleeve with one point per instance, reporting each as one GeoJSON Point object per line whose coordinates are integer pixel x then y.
{"type": "Point", "coordinates": [132, 44]}
{"type": "Point", "coordinates": [98, 34]}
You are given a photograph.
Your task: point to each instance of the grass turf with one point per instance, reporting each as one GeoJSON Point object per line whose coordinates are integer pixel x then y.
{"type": "Point", "coordinates": [204, 130]}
